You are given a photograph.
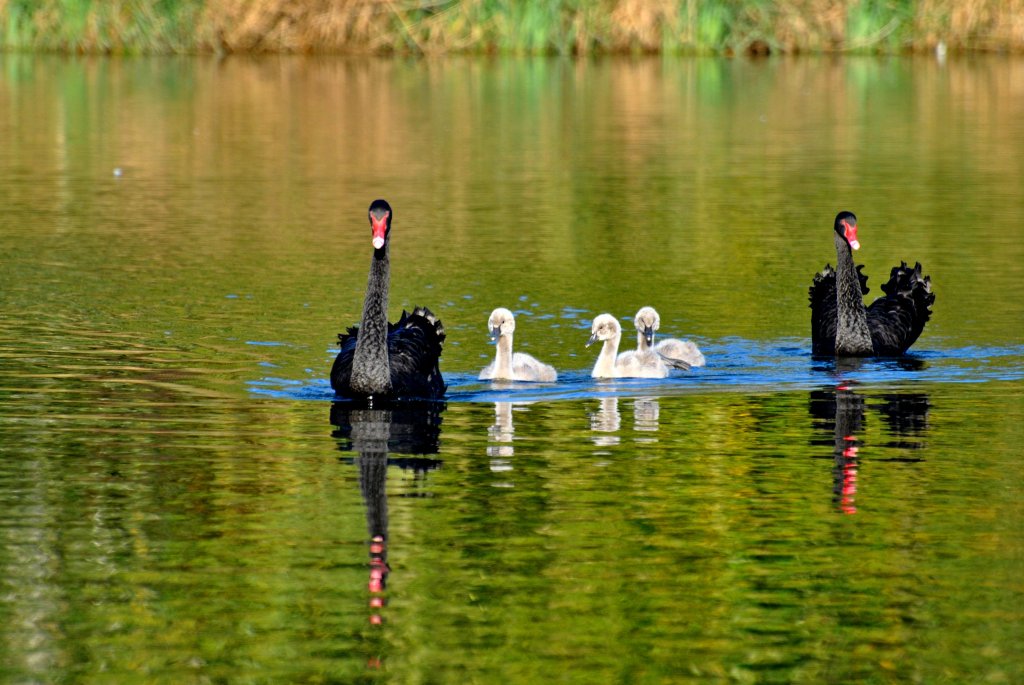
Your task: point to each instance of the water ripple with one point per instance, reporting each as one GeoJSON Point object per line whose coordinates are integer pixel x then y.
{"type": "Point", "coordinates": [734, 365]}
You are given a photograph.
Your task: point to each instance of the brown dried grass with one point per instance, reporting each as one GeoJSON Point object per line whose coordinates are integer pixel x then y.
{"type": "Point", "coordinates": [298, 25]}
{"type": "Point", "coordinates": [971, 24]}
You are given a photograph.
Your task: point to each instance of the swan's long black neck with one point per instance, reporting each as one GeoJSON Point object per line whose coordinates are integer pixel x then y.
{"type": "Point", "coordinates": [853, 338]}
{"type": "Point", "coordinates": [371, 372]}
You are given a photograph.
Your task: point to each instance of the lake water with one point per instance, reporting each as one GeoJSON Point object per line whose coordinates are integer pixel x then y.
{"type": "Point", "coordinates": [182, 239]}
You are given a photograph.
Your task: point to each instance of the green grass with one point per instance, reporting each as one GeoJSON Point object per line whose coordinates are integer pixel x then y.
{"type": "Point", "coordinates": [876, 24]}
{"type": "Point", "coordinates": [101, 26]}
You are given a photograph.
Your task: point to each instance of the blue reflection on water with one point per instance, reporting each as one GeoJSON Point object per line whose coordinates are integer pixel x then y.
{"type": "Point", "coordinates": [734, 364]}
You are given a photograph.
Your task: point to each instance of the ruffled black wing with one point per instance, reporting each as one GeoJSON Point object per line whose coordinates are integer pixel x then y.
{"type": "Point", "coordinates": [897, 319]}
{"type": "Point", "coordinates": [415, 343]}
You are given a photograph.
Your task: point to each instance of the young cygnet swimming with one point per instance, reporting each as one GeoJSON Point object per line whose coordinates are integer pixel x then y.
{"type": "Point", "coordinates": [671, 350]}
{"type": "Point", "coordinates": [506, 365]}
{"type": "Point", "coordinates": [633, 364]}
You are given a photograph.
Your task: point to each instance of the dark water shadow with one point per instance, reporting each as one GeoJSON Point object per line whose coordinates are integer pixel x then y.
{"type": "Point", "coordinates": [840, 417]}
{"type": "Point", "coordinates": [409, 428]}
{"type": "Point", "coordinates": [379, 436]}
{"type": "Point", "coordinates": [849, 365]}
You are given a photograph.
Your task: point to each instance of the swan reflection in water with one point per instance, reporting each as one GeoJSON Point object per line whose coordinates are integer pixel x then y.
{"type": "Point", "coordinates": [646, 413]}
{"type": "Point", "coordinates": [375, 435]}
{"type": "Point", "coordinates": [606, 421]}
{"type": "Point", "coordinates": [499, 438]}
{"type": "Point", "coordinates": [842, 413]}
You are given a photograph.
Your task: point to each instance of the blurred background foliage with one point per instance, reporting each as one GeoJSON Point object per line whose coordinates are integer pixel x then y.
{"type": "Point", "coordinates": [511, 26]}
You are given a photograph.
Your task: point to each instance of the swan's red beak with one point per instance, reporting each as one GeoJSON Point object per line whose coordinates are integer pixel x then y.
{"type": "Point", "coordinates": [379, 226]}
{"type": "Point", "coordinates": [850, 233]}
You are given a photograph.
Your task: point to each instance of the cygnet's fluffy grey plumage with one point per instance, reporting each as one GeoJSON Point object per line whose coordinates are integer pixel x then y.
{"type": "Point", "coordinates": [671, 350]}
{"type": "Point", "coordinates": [509, 366]}
{"type": "Point", "coordinates": [632, 364]}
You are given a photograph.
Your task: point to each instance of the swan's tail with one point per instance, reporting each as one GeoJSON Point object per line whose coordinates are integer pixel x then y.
{"type": "Point", "coordinates": [914, 291]}
{"type": "Point", "coordinates": [434, 321]}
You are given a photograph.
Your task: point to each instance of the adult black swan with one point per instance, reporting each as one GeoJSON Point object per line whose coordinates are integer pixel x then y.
{"type": "Point", "coordinates": [840, 324]}
{"type": "Point", "coordinates": [381, 361]}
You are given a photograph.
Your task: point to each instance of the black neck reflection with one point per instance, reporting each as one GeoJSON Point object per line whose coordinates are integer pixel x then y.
{"type": "Point", "coordinates": [376, 435]}
{"type": "Point", "coordinates": [842, 414]}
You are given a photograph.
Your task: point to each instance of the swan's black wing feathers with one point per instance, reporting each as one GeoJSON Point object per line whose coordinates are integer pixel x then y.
{"type": "Point", "coordinates": [897, 319]}
{"type": "Point", "coordinates": [415, 343]}
{"type": "Point", "coordinates": [823, 312]}
{"type": "Point", "coordinates": [341, 371]}
{"type": "Point", "coordinates": [824, 317]}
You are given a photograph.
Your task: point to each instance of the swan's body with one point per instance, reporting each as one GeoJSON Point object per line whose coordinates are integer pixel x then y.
{"type": "Point", "coordinates": [509, 366]}
{"type": "Point", "coordinates": [842, 326]}
{"type": "Point", "coordinates": [632, 364]}
{"type": "Point", "coordinates": [381, 361]}
{"type": "Point", "coordinates": [681, 354]}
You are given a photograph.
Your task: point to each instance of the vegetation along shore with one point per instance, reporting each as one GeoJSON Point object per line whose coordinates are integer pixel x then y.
{"type": "Point", "coordinates": [510, 26]}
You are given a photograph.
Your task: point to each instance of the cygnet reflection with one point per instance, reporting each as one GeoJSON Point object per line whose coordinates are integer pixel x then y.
{"type": "Point", "coordinates": [606, 422]}
{"type": "Point", "coordinates": [500, 435]}
{"type": "Point", "coordinates": [646, 412]}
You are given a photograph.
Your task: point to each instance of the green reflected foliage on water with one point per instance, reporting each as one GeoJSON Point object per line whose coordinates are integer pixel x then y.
{"type": "Point", "coordinates": [709, 184]}
{"type": "Point", "coordinates": [698, 538]}
{"type": "Point", "coordinates": [177, 236]}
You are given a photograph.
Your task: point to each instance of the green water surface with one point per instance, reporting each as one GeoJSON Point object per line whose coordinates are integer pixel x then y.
{"type": "Point", "coordinates": [182, 239]}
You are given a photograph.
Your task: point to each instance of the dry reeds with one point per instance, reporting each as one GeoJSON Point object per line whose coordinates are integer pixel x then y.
{"type": "Point", "coordinates": [511, 26]}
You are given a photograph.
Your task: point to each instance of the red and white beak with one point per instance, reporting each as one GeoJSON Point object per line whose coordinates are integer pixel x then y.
{"type": "Point", "coordinates": [850, 233]}
{"type": "Point", "coordinates": [379, 226]}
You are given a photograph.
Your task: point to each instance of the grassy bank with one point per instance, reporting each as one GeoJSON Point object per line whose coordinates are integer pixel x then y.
{"type": "Point", "coordinates": [510, 26]}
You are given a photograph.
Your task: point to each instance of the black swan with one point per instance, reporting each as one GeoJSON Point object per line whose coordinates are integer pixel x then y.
{"type": "Point", "coordinates": [647, 321]}
{"type": "Point", "coordinates": [508, 365]}
{"type": "Point", "coordinates": [840, 324]}
{"type": "Point", "coordinates": [381, 361]}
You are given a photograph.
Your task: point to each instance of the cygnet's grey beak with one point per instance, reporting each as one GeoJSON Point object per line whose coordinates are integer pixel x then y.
{"type": "Point", "coordinates": [649, 335]}
{"type": "Point", "coordinates": [593, 339]}
{"type": "Point", "coordinates": [495, 333]}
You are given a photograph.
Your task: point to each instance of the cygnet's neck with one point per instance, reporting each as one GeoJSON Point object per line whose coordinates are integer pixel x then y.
{"type": "Point", "coordinates": [605, 366]}
{"type": "Point", "coordinates": [641, 341]}
{"type": "Point", "coordinates": [503, 357]}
